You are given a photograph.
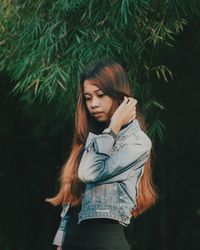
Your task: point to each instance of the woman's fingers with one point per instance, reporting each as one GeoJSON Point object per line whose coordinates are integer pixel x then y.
{"type": "Point", "coordinates": [131, 104]}
{"type": "Point", "coordinates": [125, 100]}
{"type": "Point", "coordinates": [132, 107]}
{"type": "Point", "coordinates": [130, 100]}
{"type": "Point", "coordinates": [126, 111]}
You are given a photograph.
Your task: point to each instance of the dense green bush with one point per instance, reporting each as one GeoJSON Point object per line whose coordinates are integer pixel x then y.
{"type": "Point", "coordinates": [45, 45]}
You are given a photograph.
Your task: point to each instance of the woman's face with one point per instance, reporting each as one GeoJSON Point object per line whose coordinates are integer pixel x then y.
{"type": "Point", "coordinates": [99, 105]}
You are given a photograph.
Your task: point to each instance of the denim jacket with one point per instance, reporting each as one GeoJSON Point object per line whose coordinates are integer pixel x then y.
{"type": "Point", "coordinates": [111, 169]}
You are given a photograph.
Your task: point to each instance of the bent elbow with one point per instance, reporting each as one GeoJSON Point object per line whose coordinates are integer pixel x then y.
{"type": "Point", "coordinates": [146, 141]}
{"type": "Point", "coordinates": [148, 145]}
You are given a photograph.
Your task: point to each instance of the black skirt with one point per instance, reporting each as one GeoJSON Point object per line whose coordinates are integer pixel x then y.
{"type": "Point", "coordinates": [94, 234]}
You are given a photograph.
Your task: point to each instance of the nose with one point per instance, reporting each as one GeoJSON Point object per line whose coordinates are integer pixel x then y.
{"type": "Point", "coordinates": [94, 103]}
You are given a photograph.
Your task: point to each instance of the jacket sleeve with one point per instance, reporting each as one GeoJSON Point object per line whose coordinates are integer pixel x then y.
{"type": "Point", "coordinates": [60, 234]}
{"type": "Point", "coordinates": [100, 165]}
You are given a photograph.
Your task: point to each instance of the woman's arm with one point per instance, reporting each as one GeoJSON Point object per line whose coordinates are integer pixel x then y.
{"type": "Point", "coordinates": [60, 234]}
{"type": "Point", "coordinates": [98, 164]}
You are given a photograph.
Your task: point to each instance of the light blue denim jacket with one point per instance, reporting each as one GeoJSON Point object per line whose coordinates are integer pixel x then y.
{"type": "Point", "coordinates": [111, 169]}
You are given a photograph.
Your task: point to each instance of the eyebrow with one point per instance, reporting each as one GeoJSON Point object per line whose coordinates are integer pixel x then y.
{"type": "Point", "coordinates": [85, 93]}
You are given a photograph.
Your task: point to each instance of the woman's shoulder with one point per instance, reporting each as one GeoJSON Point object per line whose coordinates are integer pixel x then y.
{"type": "Point", "coordinates": [132, 134]}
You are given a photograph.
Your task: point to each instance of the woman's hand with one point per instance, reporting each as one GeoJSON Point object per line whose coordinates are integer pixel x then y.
{"type": "Point", "coordinates": [123, 114]}
{"type": "Point", "coordinates": [59, 248]}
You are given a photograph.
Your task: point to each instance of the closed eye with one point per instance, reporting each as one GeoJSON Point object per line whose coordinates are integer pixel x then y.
{"type": "Point", "coordinates": [101, 95]}
{"type": "Point", "coordinates": [87, 98]}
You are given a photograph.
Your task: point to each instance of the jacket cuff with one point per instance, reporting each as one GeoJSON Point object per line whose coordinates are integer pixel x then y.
{"type": "Point", "coordinates": [101, 143]}
{"type": "Point", "coordinates": [59, 238]}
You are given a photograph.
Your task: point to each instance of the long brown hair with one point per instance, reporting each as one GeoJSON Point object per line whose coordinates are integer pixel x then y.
{"type": "Point", "coordinates": [112, 79]}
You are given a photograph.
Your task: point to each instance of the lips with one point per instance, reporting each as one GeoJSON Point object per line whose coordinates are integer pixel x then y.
{"type": "Point", "coordinates": [97, 113]}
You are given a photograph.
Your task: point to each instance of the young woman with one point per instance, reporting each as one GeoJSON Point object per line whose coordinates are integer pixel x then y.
{"type": "Point", "coordinates": [107, 178]}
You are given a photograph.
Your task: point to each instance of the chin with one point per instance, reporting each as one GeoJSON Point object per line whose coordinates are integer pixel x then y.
{"type": "Point", "coordinates": [100, 119]}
